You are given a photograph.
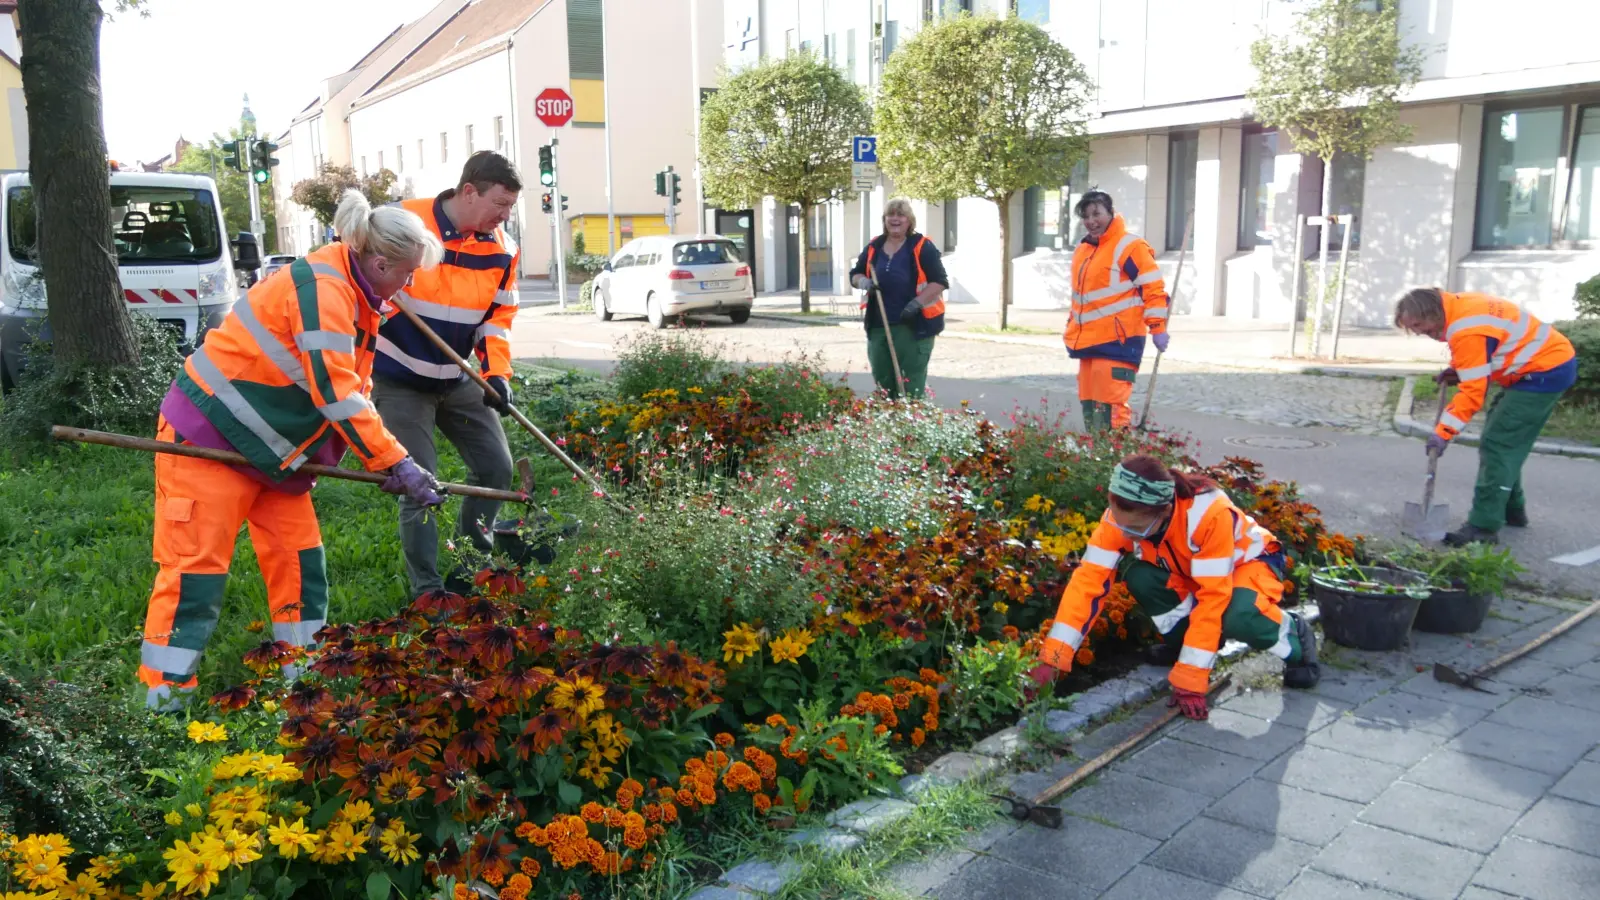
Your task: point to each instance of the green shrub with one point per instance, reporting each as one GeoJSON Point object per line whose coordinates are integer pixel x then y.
{"type": "Point", "coordinates": [1585, 337]}
{"type": "Point", "coordinates": [586, 295]}
{"type": "Point", "coordinates": [795, 389]}
{"type": "Point", "coordinates": [1586, 297]}
{"type": "Point", "coordinates": [987, 684]}
{"type": "Point", "coordinates": [1480, 568]}
{"type": "Point", "coordinates": [676, 360]}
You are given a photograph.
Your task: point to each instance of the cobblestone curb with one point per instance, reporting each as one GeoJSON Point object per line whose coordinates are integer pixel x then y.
{"type": "Point", "coordinates": [1406, 425]}
{"type": "Point", "coordinates": [846, 825]}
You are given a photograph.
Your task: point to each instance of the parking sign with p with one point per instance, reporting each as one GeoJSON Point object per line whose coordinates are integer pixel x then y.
{"type": "Point", "coordinates": [864, 149]}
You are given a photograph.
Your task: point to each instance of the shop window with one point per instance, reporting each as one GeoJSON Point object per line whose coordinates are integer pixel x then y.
{"type": "Point", "coordinates": [1255, 189]}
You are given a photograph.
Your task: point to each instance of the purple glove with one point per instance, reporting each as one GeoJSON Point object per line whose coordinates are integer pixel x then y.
{"type": "Point", "coordinates": [413, 482]}
{"type": "Point", "coordinates": [1161, 340]}
{"type": "Point", "coordinates": [1190, 703]}
{"type": "Point", "coordinates": [1436, 445]}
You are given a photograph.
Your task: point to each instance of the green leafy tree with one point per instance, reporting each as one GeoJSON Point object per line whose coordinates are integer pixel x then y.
{"type": "Point", "coordinates": [978, 106]}
{"type": "Point", "coordinates": [1333, 83]}
{"type": "Point", "coordinates": [233, 186]}
{"type": "Point", "coordinates": [321, 194]}
{"type": "Point", "coordinates": [782, 128]}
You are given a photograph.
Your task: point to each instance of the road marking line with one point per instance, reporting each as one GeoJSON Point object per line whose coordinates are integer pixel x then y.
{"type": "Point", "coordinates": [1581, 558]}
{"type": "Point", "coordinates": [592, 345]}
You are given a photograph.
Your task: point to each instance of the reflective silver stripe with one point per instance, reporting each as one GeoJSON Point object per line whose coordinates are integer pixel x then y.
{"type": "Point", "coordinates": [1100, 556]}
{"type": "Point", "coordinates": [1116, 257]}
{"type": "Point", "coordinates": [487, 330]}
{"type": "Point", "coordinates": [1159, 312]}
{"type": "Point", "coordinates": [1147, 278]}
{"type": "Point", "coordinates": [507, 298]}
{"type": "Point", "coordinates": [1449, 420]}
{"type": "Point", "coordinates": [1281, 649]}
{"type": "Point", "coordinates": [1474, 322]}
{"type": "Point", "coordinates": [1111, 290]}
{"type": "Point", "coordinates": [325, 340]}
{"type": "Point", "coordinates": [275, 352]}
{"type": "Point", "coordinates": [1193, 656]}
{"type": "Point", "coordinates": [173, 660]}
{"type": "Point", "coordinates": [212, 377]}
{"type": "Point", "coordinates": [300, 633]}
{"type": "Point", "coordinates": [1514, 335]}
{"type": "Point", "coordinates": [1211, 566]}
{"type": "Point", "coordinates": [1474, 373]}
{"type": "Point", "coordinates": [425, 369]}
{"type": "Point", "coordinates": [325, 269]}
{"type": "Point", "coordinates": [457, 315]}
{"type": "Point", "coordinates": [166, 698]}
{"type": "Point", "coordinates": [343, 409]}
{"type": "Point", "coordinates": [1170, 619]}
{"type": "Point", "coordinates": [1066, 634]}
{"type": "Point", "coordinates": [1197, 512]}
{"type": "Point", "coordinates": [1110, 309]}
{"type": "Point", "coordinates": [1258, 543]}
{"type": "Point", "coordinates": [1525, 355]}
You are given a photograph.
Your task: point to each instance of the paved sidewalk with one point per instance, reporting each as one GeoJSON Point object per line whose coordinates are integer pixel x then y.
{"type": "Point", "coordinates": [1380, 784]}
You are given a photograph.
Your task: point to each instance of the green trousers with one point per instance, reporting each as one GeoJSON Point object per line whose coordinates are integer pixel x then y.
{"type": "Point", "coordinates": [913, 354]}
{"type": "Point", "coordinates": [1512, 424]}
{"type": "Point", "coordinates": [1244, 619]}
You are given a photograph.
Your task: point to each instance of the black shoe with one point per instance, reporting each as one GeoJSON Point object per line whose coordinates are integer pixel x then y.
{"type": "Point", "coordinates": [1470, 534]}
{"type": "Point", "coordinates": [1517, 518]}
{"type": "Point", "coordinates": [1306, 673]}
{"type": "Point", "coordinates": [1161, 654]}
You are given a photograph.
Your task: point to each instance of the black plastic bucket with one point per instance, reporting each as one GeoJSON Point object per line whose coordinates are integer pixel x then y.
{"type": "Point", "coordinates": [1453, 611]}
{"type": "Point", "coordinates": [1367, 620]}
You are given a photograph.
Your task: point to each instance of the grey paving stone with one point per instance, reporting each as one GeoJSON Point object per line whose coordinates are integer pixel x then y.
{"type": "Point", "coordinates": [1241, 858]}
{"type": "Point", "coordinates": [960, 767]}
{"type": "Point", "coordinates": [760, 876]}
{"type": "Point", "coordinates": [1003, 744]}
{"type": "Point", "coordinates": [987, 877]}
{"type": "Point", "coordinates": [1191, 766]}
{"type": "Point", "coordinates": [829, 840]}
{"type": "Point", "coordinates": [869, 814]}
{"type": "Point", "coordinates": [1109, 734]}
{"type": "Point", "coordinates": [1563, 822]}
{"type": "Point", "coordinates": [1065, 721]}
{"type": "Point", "coordinates": [1425, 685]}
{"type": "Point", "coordinates": [1542, 753]}
{"type": "Point", "coordinates": [1526, 673]}
{"type": "Point", "coordinates": [1398, 862]}
{"type": "Point", "coordinates": [1588, 670]}
{"type": "Point", "coordinates": [1138, 804]}
{"type": "Point", "coordinates": [1375, 740]}
{"type": "Point", "coordinates": [1547, 717]}
{"type": "Point", "coordinates": [1275, 808]}
{"type": "Point", "coordinates": [1296, 709]}
{"type": "Point", "coordinates": [720, 893]}
{"type": "Point", "coordinates": [1086, 854]}
{"type": "Point", "coordinates": [1566, 654]}
{"type": "Point", "coordinates": [1314, 885]}
{"type": "Point", "coordinates": [1147, 882]}
{"type": "Point", "coordinates": [1351, 687]}
{"type": "Point", "coordinates": [1026, 784]}
{"type": "Point", "coordinates": [1155, 676]}
{"type": "Point", "coordinates": [1331, 772]}
{"type": "Point", "coordinates": [1412, 712]}
{"type": "Point", "coordinates": [1539, 871]}
{"type": "Point", "coordinates": [1438, 816]}
{"type": "Point", "coordinates": [1481, 779]}
{"type": "Point", "coordinates": [1581, 784]}
{"type": "Point", "coordinates": [1474, 892]}
{"type": "Point", "coordinates": [981, 840]}
{"type": "Point", "coordinates": [1572, 690]}
{"type": "Point", "coordinates": [1238, 733]}
{"type": "Point", "coordinates": [1097, 703]}
{"type": "Point", "coordinates": [914, 786]}
{"type": "Point", "coordinates": [919, 876]}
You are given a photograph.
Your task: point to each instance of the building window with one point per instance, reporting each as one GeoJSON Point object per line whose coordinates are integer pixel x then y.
{"type": "Point", "coordinates": [1183, 159]}
{"type": "Point", "coordinates": [363, 167]}
{"type": "Point", "coordinates": [788, 42]}
{"type": "Point", "coordinates": [952, 223]}
{"type": "Point", "coordinates": [499, 134]}
{"type": "Point", "coordinates": [1255, 188]}
{"type": "Point", "coordinates": [1530, 193]}
{"type": "Point", "coordinates": [1032, 10]}
{"type": "Point", "coordinates": [380, 160]}
{"type": "Point", "coordinates": [444, 146]}
{"type": "Point", "coordinates": [819, 234]}
{"type": "Point", "coordinates": [1077, 186]}
{"type": "Point", "coordinates": [420, 163]}
{"type": "Point", "coordinates": [1041, 229]}
{"type": "Point", "coordinates": [891, 38]}
{"type": "Point", "coordinates": [399, 158]}
{"type": "Point", "coordinates": [1349, 184]}
{"type": "Point", "coordinates": [470, 147]}
{"type": "Point", "coordinates": [850, 53]}
{"type": "Point", "coordinates": [1583, 195]}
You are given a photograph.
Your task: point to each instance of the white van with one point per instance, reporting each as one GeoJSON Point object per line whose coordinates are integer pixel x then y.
{"type": "Point", "coordinates": [173, 255]}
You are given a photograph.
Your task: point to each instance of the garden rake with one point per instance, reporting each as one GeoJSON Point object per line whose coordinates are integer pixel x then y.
{"type": "Point", "coordinates": [1155, 368]}
{"type": "Point", "coordinates": [1428, 522]}
{"type": "Point", "coordinates": [888, 333]}
{"type": "Point", "coordinates": [1449, 675]}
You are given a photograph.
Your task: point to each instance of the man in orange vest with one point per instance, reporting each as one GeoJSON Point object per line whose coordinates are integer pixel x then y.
{"type": "Point", "coordinates": [470, 299]}
{"type": "Point", "coordinates": [1492, 340]}
{"type": "Point", "coordinates": [1117, 297]}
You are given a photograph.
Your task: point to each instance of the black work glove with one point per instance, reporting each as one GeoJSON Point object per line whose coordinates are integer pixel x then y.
{"type": "Point", "coordinates": [911, 313]}
{"type": "Point", "coordinates": [1448, 378]}
{"type": "Point", "coordinates": [500, 399]}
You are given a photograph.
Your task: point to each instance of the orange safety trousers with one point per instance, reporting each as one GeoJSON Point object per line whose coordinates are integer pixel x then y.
{"type": "Point", "coordinates": [1104, 386]}
{"type": "Point", "coordinates": [199, 507]}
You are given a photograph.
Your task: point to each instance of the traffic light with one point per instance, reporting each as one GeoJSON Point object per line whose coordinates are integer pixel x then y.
{"type": "Point", "coordinates": [563, 202]}
{"type": "Point", "coordinates": [546, 202]}
{"type": "Point", "coordinates": [547, 166]}
{"type": "Point", "coordinates": [672, 184]}
{"type": "Point", "coordinates": [262, 161]}
{"type": "Point", "coordinates": [236, 154]}
{"type": "Point", "coordinates": [661, 183]}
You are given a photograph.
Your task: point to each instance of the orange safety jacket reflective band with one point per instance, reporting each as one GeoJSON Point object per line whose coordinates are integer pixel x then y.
{"type": "Point", "coordinates": [1523, 345]}
{"type": "Point", "coordinates": [291, 366]}
{"type": "Point", "coordinates": [1206, 539]}
{"type": "Point", "coordinates": [470, 299]}
{"type": "Point", "coordinates": [1117, 290]}
{"type": "Point", "coordinates": [929, 311]}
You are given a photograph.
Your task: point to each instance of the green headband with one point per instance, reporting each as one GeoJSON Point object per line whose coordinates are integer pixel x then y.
{"type": "Point", "coordinates": [1130, 486]}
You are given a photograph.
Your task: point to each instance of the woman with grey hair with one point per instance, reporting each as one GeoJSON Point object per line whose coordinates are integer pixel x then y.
{"type": "Point", "coordinates": [902, 269]}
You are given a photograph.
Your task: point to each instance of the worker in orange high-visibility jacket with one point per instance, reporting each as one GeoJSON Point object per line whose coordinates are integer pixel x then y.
{"type": "Point", "coordinates": [1200, 567]}
{"type": "Point", "coordinates": [470, 300]}
{"type": "Point", "coordinates": [1492, 341]}
{"type": "Point", "coordinates": [1118, 296]}
{"type": "Point", "coordinates": [283, 381]}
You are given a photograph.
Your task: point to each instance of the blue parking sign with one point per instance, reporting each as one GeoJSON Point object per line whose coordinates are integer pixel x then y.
{"type": "Point", "coordinates": [864, 149]}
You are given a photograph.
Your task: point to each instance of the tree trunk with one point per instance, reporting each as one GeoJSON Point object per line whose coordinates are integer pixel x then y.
{"type": "Point", "coordinates": [1324, 237]}
{"type": "Point", "coordinates": [1004, 205]}
{"type": "Point", "coordinates": [805, 258]}
{"type": "Point", "coordinates": [68, 171]}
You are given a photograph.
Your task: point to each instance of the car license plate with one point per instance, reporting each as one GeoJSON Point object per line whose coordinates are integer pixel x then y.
{"type": "Point", "coordinates": [715, 285]}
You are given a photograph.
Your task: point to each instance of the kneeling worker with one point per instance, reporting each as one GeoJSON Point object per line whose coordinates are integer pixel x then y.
{"type": "Point", "coordinates": [1200, 567]}
{"type": "Point", "coordinates": [1492, 340]}
{"type": "Point", "coordinates": [283, 381]}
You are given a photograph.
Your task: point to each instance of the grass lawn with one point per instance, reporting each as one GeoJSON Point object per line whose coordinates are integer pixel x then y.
{"type": "Point", "coordinates": [1014, 329]}
{"type": "Point", "coordinates": [1573, 420]}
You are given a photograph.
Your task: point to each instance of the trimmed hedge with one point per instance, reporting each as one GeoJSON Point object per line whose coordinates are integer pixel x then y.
{"type": "Point", "coordinates": [1585, 337]}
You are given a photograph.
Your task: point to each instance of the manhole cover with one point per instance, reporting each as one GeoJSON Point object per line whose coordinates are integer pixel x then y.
{"type": "Point", "coordinates": [1276, 442]}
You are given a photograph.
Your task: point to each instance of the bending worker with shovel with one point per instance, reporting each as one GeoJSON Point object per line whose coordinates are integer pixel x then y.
{"type": "Point", "coordinates": [283, 381]}
{"type": "Point", "coordinates": [1199, 566]}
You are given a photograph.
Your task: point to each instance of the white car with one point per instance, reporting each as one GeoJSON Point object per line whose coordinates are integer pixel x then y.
{"type": "Point", "coordinates": [665, 276]}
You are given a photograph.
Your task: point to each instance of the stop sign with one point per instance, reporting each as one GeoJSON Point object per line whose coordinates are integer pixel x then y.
{"type": "Point", "coordinates": [553, 106]}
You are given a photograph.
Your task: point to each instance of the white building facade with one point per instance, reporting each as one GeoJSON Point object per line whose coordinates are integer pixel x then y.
{"type": "Point", "coordinates": [1497, 189]}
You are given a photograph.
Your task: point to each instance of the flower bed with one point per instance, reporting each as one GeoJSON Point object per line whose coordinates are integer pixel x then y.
{"type": "Point", "coordinates": [806, 589]}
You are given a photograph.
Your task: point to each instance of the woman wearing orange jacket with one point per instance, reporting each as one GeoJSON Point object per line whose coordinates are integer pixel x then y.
{"type": "Point", "coordinates": [1200, 567]}
{"type": "Point", "coordinates": [1118, 297]}
{"type": "Point", "coordinates": [283, 381]}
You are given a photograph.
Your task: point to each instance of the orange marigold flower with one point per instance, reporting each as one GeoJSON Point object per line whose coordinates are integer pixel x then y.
{"type": "Point", "coordinates": [530, 832]}
{"type": "Point", "coordinates": [1011, 633]}
{"type": "Point", "coordinates": [614, 817]}
{"type": "Point", "coordinates": [724, 739]}
{"type": "Point", "coordinates": [776, 721]}
{"type": "Point", "coordinates": [462, 892]}
{"type": "Point", "coordinates": [634, 838]}
{"type": "Point", "coordinates": [592, 812]}
{"type": "Point", "coordinates": [494, 877]}
{"type": "Point", "coordinates": [686, 798]}
{"type": "Point", "coordinates": [741, 777]}
{"type": "Point", "coordinates": [652, 812]}
{"type": "Point", "coordinates": [530, 867]}
{"type": "Point", "coordinates": [763, 803]}
{"type": "Point", "coordinates": [902, 701]}
{"type": "Point", "coordinates": [880, 728]}
{"type": "Point", "coordinates": [705, 795]}
{"type": "Point", "coordinates": [669, 813]}
{"type": "Point", "coordinates": [1085, 657]}
{"type": "Point", "coordinates": [929, 676]}
{"type": "Point", "coordinates": [918, 736]}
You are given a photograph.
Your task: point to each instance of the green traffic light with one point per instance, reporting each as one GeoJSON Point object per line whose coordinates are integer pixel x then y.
{"type": "Point", "coordinates": [260, 175]}
{"type": "Point", "coordinates": [547, 178]}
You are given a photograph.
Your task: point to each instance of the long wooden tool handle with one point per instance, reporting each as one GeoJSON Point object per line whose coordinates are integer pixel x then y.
{"type": "Point", "coordinates": [1110, 756]}
{"type": "Point", "coordinates": [1571, 622]}
{"type": "Point", "coordinates": [522, 420]}
{"type": "Point", "coordinates": [1433, 459]}
{"type": "Point", "coordinates": [888, 333]}
{"type": "Point", "coordinates": [129, 442]}
{"type": "Point", "coordinates": [1177, 276]}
